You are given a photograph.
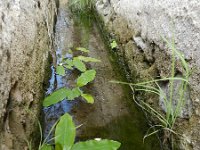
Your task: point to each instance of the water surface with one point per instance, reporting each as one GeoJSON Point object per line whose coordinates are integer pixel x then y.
{"type": "Point", "coordinates": [114, 114]}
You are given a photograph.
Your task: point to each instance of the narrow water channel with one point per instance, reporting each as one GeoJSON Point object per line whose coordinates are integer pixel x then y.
{"type": "Point", "coordinates": [114, 114]}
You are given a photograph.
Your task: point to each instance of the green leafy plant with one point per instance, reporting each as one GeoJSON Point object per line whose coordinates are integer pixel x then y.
{"type": "Point", "coordinates": [65, 130]}
{"type": "Point", "coordinates": [60, 70]}
{"type": "Point", "coordinates": [65, 137]}
{"type": "Point", "coordinates": [113, 44]}
{"type": "Point", "coordinates": [85, 77]}
{"type": "Point", "coordinates": [168, 120]}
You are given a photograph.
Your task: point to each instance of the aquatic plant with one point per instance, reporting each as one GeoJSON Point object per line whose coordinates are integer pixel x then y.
{"type": "Point", "coordinates": [65, 137]}
{"type": "Point", "coordinates": [85, 77]}
{"type": "Point", "coordinates": [65, 129]}
{"type": "Point", "coordinates": [166, 121]}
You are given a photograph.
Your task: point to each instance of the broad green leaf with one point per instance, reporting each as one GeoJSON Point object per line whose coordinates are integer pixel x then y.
{"type": "Point", "coordinates": [60, 70]}
{"type": "Point", "coordinates": [79, 65]}
{"type": "Point", "coordinates": [86, 77]}
{"type": "Point", "coordinates": [55, 97]}
{"type": "Point", "coordinates": [65, 133]}
{"type": "Point", "coordinates": [113, 44]}
{"type": "Point", "coordinates": [97, 145]}
{"type": "Point", "coordinates": [88, 98]}
{"type": "Point", "coordinates": [72, 94]}
{"type": "Point", "coordinates": [68, 67]}
{"type": "Point", "coordinates": [82, 49]}
{"type": "Point", "coordinates": [87, 59]}
{"type": "Point", "coordinates": [46, 147]}
{"type": "Point", "coordinates": [69, 62]}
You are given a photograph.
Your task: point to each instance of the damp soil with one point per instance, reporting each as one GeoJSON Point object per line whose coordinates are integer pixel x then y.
{"type": "Point", "coordinates": [114, 114]}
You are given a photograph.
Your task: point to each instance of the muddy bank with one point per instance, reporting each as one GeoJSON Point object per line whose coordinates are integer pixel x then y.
{"type": "Point", "coordinates": [26, 30]}
{"type": "Point", "coordinates": [137, 26]}
{"type": "Point", "coordinates": [113, 115]}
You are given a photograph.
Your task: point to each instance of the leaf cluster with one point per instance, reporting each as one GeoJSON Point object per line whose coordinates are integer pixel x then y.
{"type": "Point", "coordinates": [65, 133]}
{"type": "Point", "coordinates": [65, 129]}
{"type": "Point", "coordinates": [85, 77]}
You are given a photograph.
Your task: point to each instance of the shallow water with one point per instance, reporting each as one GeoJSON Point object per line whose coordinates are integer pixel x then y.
{"type": "Point", "coordinates": [113, 115]}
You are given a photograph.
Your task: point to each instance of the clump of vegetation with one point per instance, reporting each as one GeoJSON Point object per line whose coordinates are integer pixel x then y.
{"type": "Point", "coordinates": [85, 77]}
{"type": "Point", "coordinates": [65, 129]}
{"type": "Point", "coordinates": [166, 121]}
{"type": "Point", "coordinates": [81, 5]}
{"type": "Point", "coordinates": [113, 44]}
{"type": "Point", "coordinates": [65, 133]}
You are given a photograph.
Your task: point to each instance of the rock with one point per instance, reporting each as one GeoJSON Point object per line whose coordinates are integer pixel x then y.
{"type": "Point", "coordinates": [26, 28]}
{"type": "Point", "coordinates": [150, 20]}
{"type": "Point", "coordinates": [186, 104]}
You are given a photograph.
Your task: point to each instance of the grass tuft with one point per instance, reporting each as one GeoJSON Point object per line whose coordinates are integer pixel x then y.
{"type": "Point", "coordinates": [81, 5]}
{"type": "Point", "coordinates": [166, 121]}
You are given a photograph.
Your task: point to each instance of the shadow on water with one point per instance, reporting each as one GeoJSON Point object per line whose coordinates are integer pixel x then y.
{"type": "Point", "coordinates": [113, 115]}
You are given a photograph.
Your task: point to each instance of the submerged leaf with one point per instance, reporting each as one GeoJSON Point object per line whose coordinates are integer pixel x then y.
{"type": "Point", "coordinates": [88, 98]}
{"type": "Point", "coordinates": [79, 65]}
{"type": "Point", "coordinates": [55, 97]}
{"type": "Point", "coordinates": [82, 49]}
{"type": "Point", "coordinates": [87, 59]}
{"type": "Point", "coordinates": [60, 70]}
{"type": "Point", "coordinates": [65, 133]}
{"type": "Point", "coordinates": [97, 145]}
{"type": "Point", "coordinates": [86, 77]}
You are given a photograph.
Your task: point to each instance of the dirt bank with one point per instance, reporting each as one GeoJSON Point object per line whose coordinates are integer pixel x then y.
{"type": "Point", "coordinates": [26, 29]}
{"type": "Point", "coordinates": [138, 27]}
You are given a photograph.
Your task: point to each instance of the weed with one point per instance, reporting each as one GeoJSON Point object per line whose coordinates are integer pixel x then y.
{"type": "Point", "coordinates": [85, 77]}
{"type": "Point", "coordinates": [65, 137]}
{"type": "Point", "coordinates": [81, 5]}
{"type": "Point", "coordinates": [65, 130]}
{"type": "Point", "coordinates": [168, 120]}
{"type": "Point", "coordinates": [113, 44]}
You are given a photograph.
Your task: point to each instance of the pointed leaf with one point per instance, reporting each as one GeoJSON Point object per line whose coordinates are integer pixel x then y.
{"type": "Point", "coordinates": [86, 77]}
{"type": "Point", "coordinates": [88, 98]}
{"type": "Point", "coordinates": [65, 133]}
{"type": "Point", "coordinates": [79, 65]}
{"type": "Point", "coordinates": [72, 94]}
{"type": "Point", "coordinates": [87, 59]}
{"type": "Point", "coordinates": [55, 97]}
{"type": "Point", "coordinates": [46, 147]}
{"type": "Point", "coordinates": [69, 62]}
{"type": "Point", "coordinates": [97, 145]}
{"type": "Point", "coordinates": [60, 70]}
{"type": "Point", "coordinates": [68, 67]}
{"type": "Point", "coordinates": [82, 49]}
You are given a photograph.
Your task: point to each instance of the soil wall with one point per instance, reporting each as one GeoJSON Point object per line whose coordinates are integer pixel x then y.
{"type": "Point", "coordinates": [138, 26]}
{"type": "Point", "coordinates": [26, 30]}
